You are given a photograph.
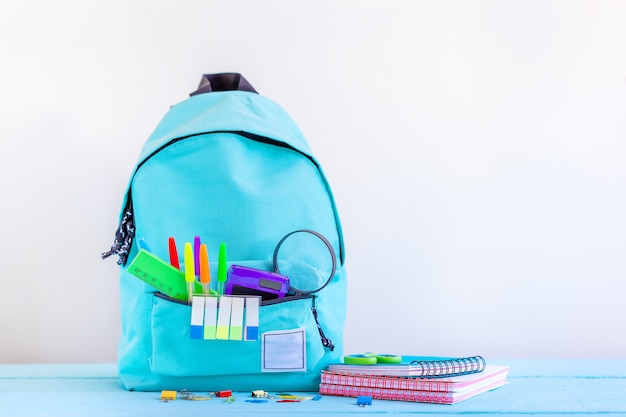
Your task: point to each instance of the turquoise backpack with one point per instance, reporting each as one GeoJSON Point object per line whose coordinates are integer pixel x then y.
{"type": "Point", "coordinates": [230, 166]}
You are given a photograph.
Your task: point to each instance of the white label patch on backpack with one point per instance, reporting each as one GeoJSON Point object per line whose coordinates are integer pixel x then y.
{"type": "Point", "coordinates": [283, 351]}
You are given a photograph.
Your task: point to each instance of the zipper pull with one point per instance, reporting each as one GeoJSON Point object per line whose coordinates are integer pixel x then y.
{"type": "Point", "coordinates": [123, 238]}
{"type": "Point", "coordinates": [325, 341]}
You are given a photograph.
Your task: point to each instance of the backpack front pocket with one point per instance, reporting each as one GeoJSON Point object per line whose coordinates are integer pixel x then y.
{"type": "Point", "coordinates": [289, 341]}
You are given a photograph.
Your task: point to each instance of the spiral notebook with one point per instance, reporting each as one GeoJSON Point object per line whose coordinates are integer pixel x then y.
{"type": "Point", "coordinates": [417, 366]}
{"type": "Point", "coordinates": [428, 390]}
{"type": "Point", "coordinates": [462, 383]}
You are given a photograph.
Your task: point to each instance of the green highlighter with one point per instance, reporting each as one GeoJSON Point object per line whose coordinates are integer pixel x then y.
{"type": "Point", "coordinates": [161, 275]}
{"type": "Point", "coordinates": [222, 269]}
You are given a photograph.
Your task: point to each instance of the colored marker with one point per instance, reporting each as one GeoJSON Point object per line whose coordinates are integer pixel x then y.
{"type": "Point", "coordinates": [173, 253]}
{"type": "Point", "coordinates": [221, 268]}
{"type": "Point", "coordinates": [205, 268]}
{"type": "Point", "coordinates": [196, 255]}
{"type": "Point", "coordinates": [190, 275]}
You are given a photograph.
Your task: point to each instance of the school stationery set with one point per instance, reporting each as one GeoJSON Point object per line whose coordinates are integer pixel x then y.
{"type": "Point", "coordinates": [230, 250]}
{"type": "Point", "coordinates": [411, 378]}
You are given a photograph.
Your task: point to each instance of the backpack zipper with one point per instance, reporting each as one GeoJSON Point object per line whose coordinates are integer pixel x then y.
{"type": "Point", "coordinates": [263, 302]}
{"type": "Point", "coordinates": [326, 342]}
{"type": "Point", "coordinates": [126, 229]}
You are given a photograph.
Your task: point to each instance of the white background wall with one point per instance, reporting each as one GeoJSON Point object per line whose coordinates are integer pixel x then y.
{"type": "Point", "coordinates": [476, 150]}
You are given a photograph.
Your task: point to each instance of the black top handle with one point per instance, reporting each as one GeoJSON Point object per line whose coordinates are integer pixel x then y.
{"type": "Point", "coordinates": [223, 82]}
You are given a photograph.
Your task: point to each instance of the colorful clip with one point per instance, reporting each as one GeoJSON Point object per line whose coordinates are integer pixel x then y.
{"type": "Point", "coordinates": [167, 396]}
{"type": "Point", "coordinates": [259, 393]}
{"type": "Point", "coordinates": [224, 394]}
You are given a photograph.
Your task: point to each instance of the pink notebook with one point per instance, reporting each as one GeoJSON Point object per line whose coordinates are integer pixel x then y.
{"type": "Point", "coordinates": [431, 390]}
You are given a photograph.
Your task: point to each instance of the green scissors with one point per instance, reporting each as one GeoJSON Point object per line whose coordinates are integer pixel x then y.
{"type": "Point", "coordinates": [372, 359]}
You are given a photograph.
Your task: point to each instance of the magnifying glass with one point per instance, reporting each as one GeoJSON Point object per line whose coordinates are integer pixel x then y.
{"type": "Point", "coordinates": [301, 261]}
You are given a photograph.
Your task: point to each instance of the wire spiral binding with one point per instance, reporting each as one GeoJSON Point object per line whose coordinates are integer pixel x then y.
{"type": "Point", "coordinates": [450, 367]}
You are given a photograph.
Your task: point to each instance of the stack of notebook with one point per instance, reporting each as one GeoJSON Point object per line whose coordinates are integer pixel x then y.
{"type": "Point", "coordinates": [419, 379]}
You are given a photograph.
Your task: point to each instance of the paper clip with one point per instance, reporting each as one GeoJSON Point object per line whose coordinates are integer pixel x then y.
{"type": "Point", "coordinates": [290, 398]}
{"type": "Point", "coordinates": [189, 396]}
{"type": "Point", "coordinates": [186, 395]}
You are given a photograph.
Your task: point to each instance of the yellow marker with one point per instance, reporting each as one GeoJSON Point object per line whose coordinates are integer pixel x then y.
{"type": "Point", "coordinates": [205, 268]}
{"type": "Point", "coordinates": [190, 274]}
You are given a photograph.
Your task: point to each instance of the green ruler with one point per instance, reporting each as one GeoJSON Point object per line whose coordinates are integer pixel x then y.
{"type": "Point", "coordinates": [161, 275]}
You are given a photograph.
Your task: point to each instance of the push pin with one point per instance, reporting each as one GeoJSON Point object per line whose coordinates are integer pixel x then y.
{"type": "Point", "coordinates": [363, 400]}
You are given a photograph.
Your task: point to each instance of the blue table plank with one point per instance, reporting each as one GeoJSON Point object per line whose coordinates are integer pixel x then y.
{"type": "Point", "coordinates": [538, 387]}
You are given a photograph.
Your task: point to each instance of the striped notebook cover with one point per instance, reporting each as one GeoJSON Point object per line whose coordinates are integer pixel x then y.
{"type": "Point", "coordinates": [441, 391]}
{"type": "Point", "coordinates": [451, 384]}
{"type": "Point", "coordinates": [420, 366]}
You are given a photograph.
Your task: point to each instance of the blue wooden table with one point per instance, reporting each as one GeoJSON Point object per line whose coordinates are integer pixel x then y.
{"type": "Point", "coordinates": [538, 387]}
